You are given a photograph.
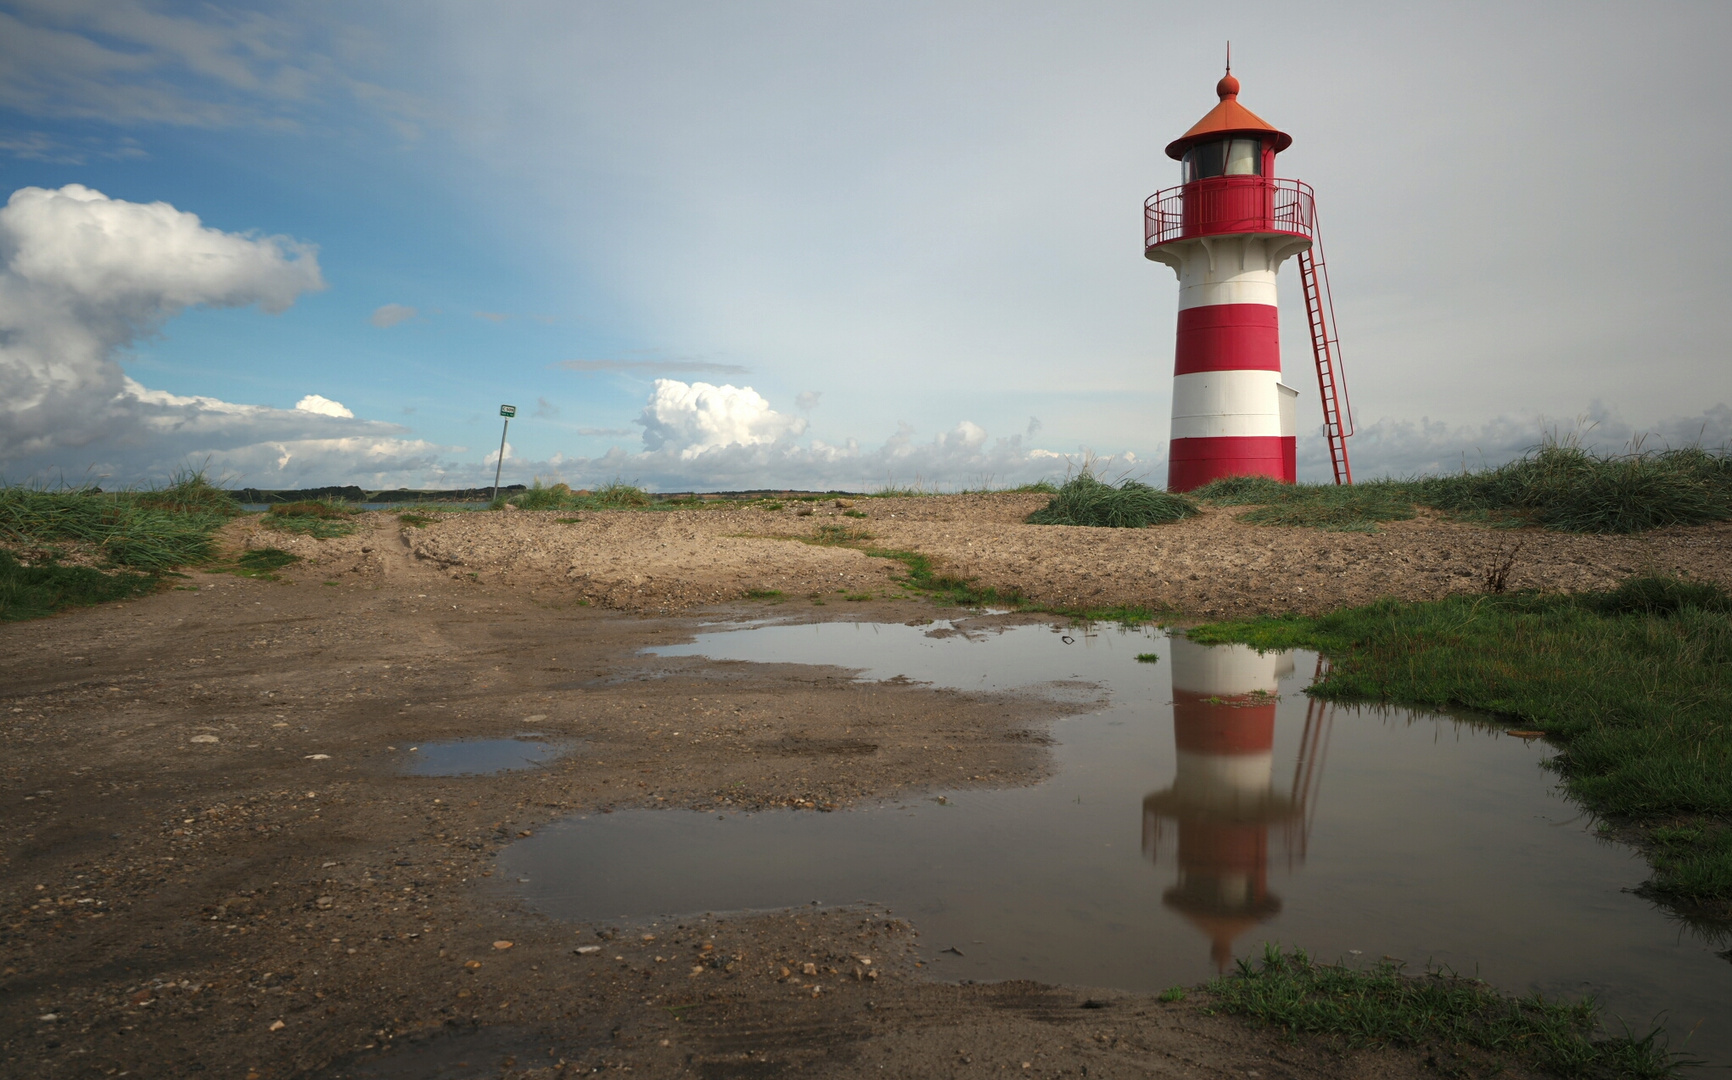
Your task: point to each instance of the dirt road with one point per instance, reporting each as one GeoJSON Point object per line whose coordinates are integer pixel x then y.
{"type": "Point", "coordinates": [214, 862]}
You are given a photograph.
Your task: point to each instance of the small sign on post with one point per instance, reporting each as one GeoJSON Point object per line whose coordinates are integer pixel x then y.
{"type": "Point", "coordinates": [507, 411]}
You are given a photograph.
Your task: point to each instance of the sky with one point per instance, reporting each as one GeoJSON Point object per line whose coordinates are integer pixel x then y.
{"type": "Point", "coordinates": [817, 244]}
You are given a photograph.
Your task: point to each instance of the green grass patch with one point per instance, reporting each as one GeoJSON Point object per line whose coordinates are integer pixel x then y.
{"type": "Point", "coordinates": [835, 533]}
{"type": "Point", "coordinates": [764, 594]}
{"type": "Point", "coordinates": [1381, 1006]}
{"type": "Point", "coordinates": [32, 592]}
{"type": "Point", "coordinates": [1339, 508]}
{"type": "Point", "coordinates": [416, 520]}
{"type": "Point", "coordinates": [1558, 486]}
{"type": "Point", "coordinates": [262, 563]}
{"type": "Point", "coordinates": [318, 518]}
{"type": "Point", "coordinates": [1084, 500]}
{"type": "Point", "coordinates": [1634, 685]}
{"type": "Point", "coordinates": [1148, 658]}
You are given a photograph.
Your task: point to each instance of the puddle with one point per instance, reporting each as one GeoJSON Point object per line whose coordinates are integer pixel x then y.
{"type": "Point", "coordinates": [474, 757]}
{"type": "Point", "coordinates": [1208, 808]}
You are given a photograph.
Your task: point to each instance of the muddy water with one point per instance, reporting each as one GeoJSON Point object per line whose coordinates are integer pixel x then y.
{"type": "Point", "coordinates": [478, 757]}
{"type": "Point", "coordinates": [1207, 808]}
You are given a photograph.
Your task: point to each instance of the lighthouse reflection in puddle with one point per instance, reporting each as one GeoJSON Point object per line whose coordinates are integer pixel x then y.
{"type": "Point", "coordinates": [1224, 804]}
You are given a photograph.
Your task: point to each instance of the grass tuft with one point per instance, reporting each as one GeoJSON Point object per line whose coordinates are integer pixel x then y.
{"type": "Point", "coordinates": [319, 518]}
{"type": "Point", "coordinates": [1084, 500]}
{"type": "Point", "coordinates": [1381, 1006]}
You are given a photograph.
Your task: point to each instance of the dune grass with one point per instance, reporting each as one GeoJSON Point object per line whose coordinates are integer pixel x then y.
{"type": "Point", "coordinates": [616, 495]}
{"type": "Point", "coordinates": [1382, 1006]}
{"type": "Point", "coordinates": [1086, 500]}
{"type": "Point", "coordinates": [1557, 486]}
{"type": "Point", "coordinates": [145, 530]}
{"type": "Point", "coordinates": [318, 518]}
{"type": "Point", "coordinates": [1634, 685]}
{"type": "Point", "coordinates": [135, 537]}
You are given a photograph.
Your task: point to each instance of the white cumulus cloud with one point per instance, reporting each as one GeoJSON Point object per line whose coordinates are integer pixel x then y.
{"type": "Point", "coordinates": [82, 276]}
{"type": "Point", "coordinates": [698, 436]}
{"type": "Point", "coordinates": [85, 275]}
{"type": "Point", "coordinates": [320, 405]}
{"type": "Point", "coordinates": [691, 418]}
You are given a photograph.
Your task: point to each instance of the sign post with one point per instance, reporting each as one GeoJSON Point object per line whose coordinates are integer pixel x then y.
{"type": "Point", "coordinates": [507, 411]}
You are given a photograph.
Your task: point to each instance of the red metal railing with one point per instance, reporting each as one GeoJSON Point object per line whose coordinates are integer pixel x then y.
{"type": "Point", "coordinates": [1229, 204]}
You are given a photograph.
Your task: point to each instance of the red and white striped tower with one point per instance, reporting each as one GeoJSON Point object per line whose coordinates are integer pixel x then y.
{"type": "Point", "coordinates": [1225, 231]}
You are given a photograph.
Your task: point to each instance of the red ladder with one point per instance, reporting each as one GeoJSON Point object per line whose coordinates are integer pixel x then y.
{"type": "Point", "coordinates": [1326, 346]}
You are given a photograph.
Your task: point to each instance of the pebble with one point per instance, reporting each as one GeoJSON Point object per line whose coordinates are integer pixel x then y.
{"type": "Point", "coordinates": [585, 950]}
{"type": "Point", "coordinates": [502, 945]}
{"type": "Point", "coordinates": [203, 739]}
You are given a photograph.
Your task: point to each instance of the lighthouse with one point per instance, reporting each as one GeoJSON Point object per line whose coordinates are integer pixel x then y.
{"type": "Point", "coordinates": [1225, 230]}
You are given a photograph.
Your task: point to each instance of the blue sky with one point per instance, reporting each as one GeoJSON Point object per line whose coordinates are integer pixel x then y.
{"type": "Point", "coordinates": [911, 230]}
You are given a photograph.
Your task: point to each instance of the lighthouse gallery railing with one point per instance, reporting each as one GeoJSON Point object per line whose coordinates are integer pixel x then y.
{"type": "Point", "coordinates": [1229, 204]}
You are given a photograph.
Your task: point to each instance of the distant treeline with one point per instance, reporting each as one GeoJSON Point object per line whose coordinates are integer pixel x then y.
{"type": "Point", "coordinates": [351, 493]}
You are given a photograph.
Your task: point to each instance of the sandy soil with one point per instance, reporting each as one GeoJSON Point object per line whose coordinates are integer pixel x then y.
{"type": "Point", "coordinates": [1210, 565]}
{"type": "Point", "coordinates": [213, 863]}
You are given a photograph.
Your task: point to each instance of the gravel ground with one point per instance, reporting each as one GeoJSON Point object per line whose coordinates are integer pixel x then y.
{"type": "Point", "coordinates": [213, 862]}
{"type": "Point", "coordinates": [1210, 565]}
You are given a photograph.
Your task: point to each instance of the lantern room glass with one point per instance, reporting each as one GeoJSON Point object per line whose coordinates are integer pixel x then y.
{"type": "Point", "coordinates": [1223, 157]}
